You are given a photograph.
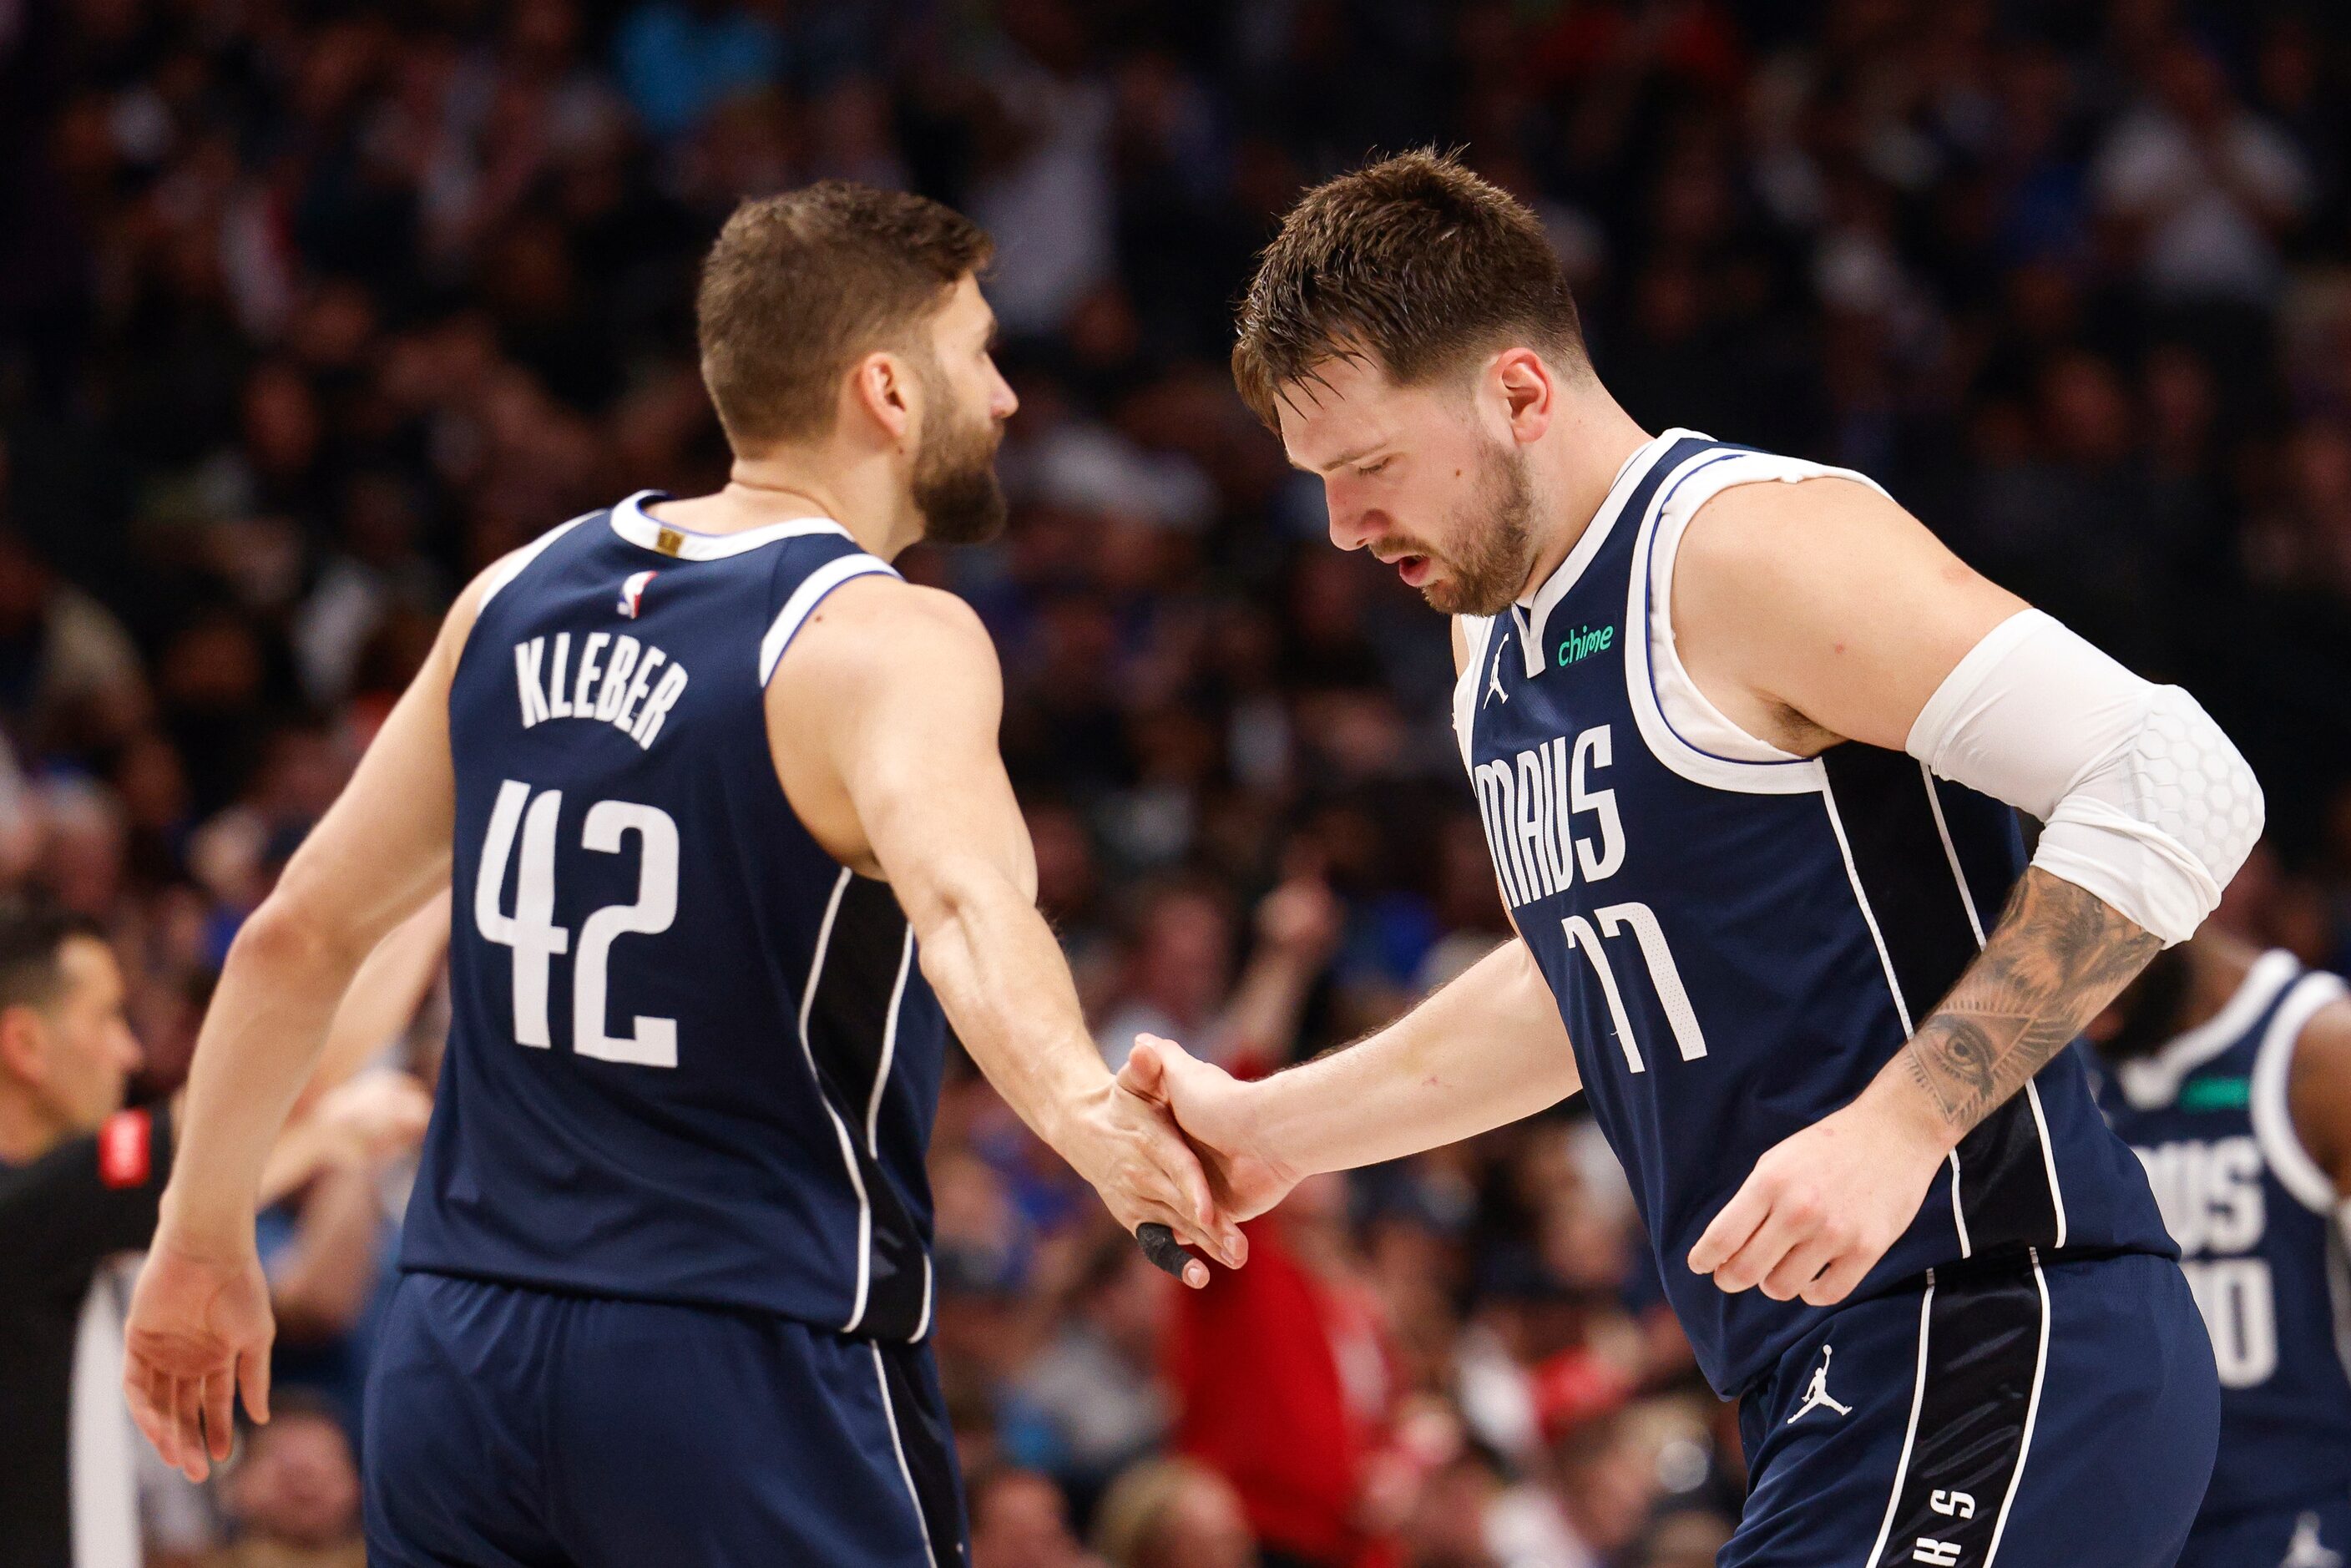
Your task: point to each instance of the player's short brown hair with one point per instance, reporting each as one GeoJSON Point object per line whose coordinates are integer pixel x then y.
{"type": "Point", "coordinates": [1413, 263]}
{"type": "Point", "coordinates": [800, 285]}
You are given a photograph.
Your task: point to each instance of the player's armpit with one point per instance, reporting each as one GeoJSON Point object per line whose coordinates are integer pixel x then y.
{"type": "Point", "coordinates": [2319, 1091]}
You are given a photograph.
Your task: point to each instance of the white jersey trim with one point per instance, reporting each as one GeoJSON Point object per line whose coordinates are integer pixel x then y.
{"type": "Point", "coordinates": [1712, 750]}
{"type": "Point", "coordinates": [2153, 1082]}
{"type": "Point", "coordinates": [514, 564]}
{"type": "Point", "coordinates": [804, 600]}
{"type": "Point", "coordinates": [1532, 613]}
{"type": "Point", "coordinates": [898, 1447]}
{"type": "Point", "coordinates": [889, 1048]}
{"type": "Point", "coordinates": [2271, 1105]}
{"type": "Point", "coordinates": [1910, 1432]}
{"type": "Point", "coordinates": [2031, 1086]}
{"type": "Point", "coordinates": [1477, 636]}
{"type": "Point", "coordinates": [633, 523]}
{"type": "Point", "coordinates": [2032, 1413]}
{"type": "Point", "coordinates": [840, 1127]}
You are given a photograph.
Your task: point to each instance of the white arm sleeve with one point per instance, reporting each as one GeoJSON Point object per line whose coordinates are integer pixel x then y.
{"type": "Point", "coordinates": [2146, 803]}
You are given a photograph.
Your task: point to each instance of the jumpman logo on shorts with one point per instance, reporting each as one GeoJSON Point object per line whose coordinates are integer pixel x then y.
{"type": "Point", "coordinates": [2307, 1551]}
{"type": "Point", "coordinates": [1817, 1396]}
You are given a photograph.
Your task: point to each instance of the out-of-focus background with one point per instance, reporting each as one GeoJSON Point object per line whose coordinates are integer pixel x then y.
{"type": "Point", "coordinates": [310, 310]}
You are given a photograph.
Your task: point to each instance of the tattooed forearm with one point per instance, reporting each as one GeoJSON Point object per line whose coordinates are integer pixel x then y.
{"type": "Point", "coordinates": [2058, 955]}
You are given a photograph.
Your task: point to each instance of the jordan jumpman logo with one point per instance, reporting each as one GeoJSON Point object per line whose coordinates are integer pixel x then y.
{"type": "Point", "coordinates": [1818, 1397]}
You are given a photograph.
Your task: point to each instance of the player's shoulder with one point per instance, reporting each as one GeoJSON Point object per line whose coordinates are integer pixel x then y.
{"type": "Point", "coordinates": [878, 625]}
{"type": "Point", "coordinates": [1767, 509]}
{"type": "Point", "coordinates": [883, 602]}
{"type": "Point", "coordinates": [1780, 530]}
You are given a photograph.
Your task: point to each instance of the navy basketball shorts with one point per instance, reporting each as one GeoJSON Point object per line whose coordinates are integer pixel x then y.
{"type": "Point", "coordinates": [2314, 1534]}
{"type": "Point", "coordinates": [514, 1428]}
{"type": "Point", "coordinates": [2059, 1413]}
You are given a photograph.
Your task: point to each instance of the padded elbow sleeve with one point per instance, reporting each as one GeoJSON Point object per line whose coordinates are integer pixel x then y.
{"type": "Point", "coordinates": [2144, 801]}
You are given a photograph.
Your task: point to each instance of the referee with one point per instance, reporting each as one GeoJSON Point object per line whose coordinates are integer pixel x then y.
{"type": "Point", "coordinates": [79, 1180]}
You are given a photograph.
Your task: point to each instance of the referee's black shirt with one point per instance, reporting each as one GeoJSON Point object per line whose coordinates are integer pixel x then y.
{"type": "Point", "coordinates": [60, 1217]}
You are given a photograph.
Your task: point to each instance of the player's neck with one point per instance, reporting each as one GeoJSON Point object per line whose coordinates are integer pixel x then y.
{"type": "Point", "coordinates": [1575, 465]}
{"type": "Point", "coordinates": [868, 499]}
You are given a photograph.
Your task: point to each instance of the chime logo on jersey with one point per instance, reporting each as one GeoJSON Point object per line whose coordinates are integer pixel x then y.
{"type": "Point", "coordinates": [1583, 641]}
{"type": "Point", "coordinates": [619, 688]}
{"type": "Point", "coordinates": [634, 590]}
{"type": "Point", "coordinates": [1545, 819]}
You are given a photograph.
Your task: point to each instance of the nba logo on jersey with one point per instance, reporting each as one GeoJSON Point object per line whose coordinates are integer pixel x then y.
{"type": "Point", "coordinates": [633, 591]}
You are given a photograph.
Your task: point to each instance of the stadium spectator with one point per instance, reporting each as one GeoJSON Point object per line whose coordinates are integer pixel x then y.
{"type": "Point", "coordinates": [292, 1497]}
{"type": "Point", "coordinates": [1173, 1513]}
{"type": "Point", "coordinates": [1020, 1519]}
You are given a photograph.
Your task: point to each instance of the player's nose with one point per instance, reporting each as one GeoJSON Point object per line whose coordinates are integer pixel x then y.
{"type": "Point", "coordinates": [1352, 528]}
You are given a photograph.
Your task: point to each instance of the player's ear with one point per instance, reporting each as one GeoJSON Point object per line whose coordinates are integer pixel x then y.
{"type": "Point", "coordinates": [1528, 391]}
{"type": "Point", "coordinates": [881, 389]}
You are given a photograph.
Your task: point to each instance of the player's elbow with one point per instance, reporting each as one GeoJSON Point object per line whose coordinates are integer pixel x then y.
{"type": "Point", "coordinates": [958, 893]}
{"type": "Point", "coordinates": [291, 935]}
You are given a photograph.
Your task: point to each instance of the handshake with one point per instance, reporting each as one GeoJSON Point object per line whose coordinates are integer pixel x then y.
{"type": "Point", "coordinates": [1174, 1146]}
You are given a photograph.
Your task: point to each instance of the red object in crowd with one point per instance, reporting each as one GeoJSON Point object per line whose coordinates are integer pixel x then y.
{"type": "Point", "coordinates": [1575, 1386]}
{"type": "Point", "coordinates": [1254, 1360]}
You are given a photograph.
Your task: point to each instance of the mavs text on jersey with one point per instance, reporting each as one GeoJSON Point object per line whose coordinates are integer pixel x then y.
{"type": "Point", "coordinates": [691, 1068]}
{"type": "Point", "coordinates": [2259, 1229]}
{"type": "Point", "coordinates": [1739, 940]}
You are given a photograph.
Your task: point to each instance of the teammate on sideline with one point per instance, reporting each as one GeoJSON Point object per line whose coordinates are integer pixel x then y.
{"type": "Point", "coordinates": [2229, 1070]}
{"type": "Point", "coordinates": [1815, 996]}
{"type": "Point", "coordinates": [730, 842]}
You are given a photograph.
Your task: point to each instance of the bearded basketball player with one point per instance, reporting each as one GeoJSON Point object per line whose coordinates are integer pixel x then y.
{"type": "Point", "coordinates": [730, 844]}
{"type": "Point", "coordinates": [1746, 740]}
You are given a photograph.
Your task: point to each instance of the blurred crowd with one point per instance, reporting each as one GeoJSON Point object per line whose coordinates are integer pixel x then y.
{"type": "Point", "coordinates": [310, 310]}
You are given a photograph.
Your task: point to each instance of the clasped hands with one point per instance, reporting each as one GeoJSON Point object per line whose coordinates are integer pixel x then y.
{"type": "Point", "coordinates": [1808, 1222]}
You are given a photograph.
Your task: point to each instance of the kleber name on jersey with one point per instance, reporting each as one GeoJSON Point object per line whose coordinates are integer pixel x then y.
{"type": "Point", "coordinates": [615, 683]}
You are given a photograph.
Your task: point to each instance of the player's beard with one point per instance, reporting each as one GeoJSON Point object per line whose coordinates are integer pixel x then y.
{"type": "Point", "coordinates": [1491, 569]}
{"type": "Point", "coordinates": [955, 483]}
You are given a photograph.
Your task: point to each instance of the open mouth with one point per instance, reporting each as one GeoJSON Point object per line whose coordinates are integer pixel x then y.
{"type": "Point", "coordinates": [1414, 569]}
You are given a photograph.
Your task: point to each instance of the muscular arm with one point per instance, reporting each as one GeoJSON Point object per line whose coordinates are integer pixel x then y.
{"type": "Point", "coordinates": [1868, 615]}
{"type": "Point", "coordinates": [1484, 1051]}
{"type": "Point", "coordinates": [382, 851]}
{"type": "Point", "coordinates": [2058, 957]}
{"type": "Point", "coordinates": [884, 715]}
{"type": "Point", "coordinates": [200, 1326]}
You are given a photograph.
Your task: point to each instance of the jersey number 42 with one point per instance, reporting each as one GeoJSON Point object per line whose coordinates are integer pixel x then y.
{"type": "Point", "coordinates": [536, 940]}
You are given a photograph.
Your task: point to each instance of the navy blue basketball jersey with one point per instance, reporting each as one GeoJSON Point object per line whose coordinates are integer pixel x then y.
{"type": "Point", "coordinates": [1738, 946]}
{"type": "Point", "coordinates": [2255, 1219]}
{"type": "Point", "coordinates": [692, 1059]}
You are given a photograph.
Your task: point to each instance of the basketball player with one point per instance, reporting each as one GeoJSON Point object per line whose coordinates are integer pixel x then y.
{"type": "Point", "coordinates": [730, 843]}
{"type": "Point", "coordinates": [1817, 1000]}
{"type": "Point", "coordinates": [2229, 1068]}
